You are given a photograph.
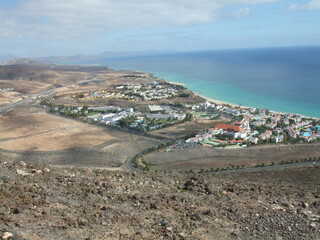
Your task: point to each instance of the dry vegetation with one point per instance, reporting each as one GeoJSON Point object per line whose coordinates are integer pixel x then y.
{"type": "Point", "coordinates": [206, 158]}
{"type": "Point", "coordinates": [9, 97]}
{"type": "Point", "coordinates": [181, 130]}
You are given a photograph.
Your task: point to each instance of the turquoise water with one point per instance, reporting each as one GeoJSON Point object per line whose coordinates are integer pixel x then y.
{"type": "Point", "coordinates": [279, 79]}
{"type": "Point", "coordinates": [224, 92]}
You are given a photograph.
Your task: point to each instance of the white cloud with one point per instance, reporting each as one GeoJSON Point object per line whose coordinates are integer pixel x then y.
{"type": "Point", "coordinates": [310, 6]}
{"type": "Point", "coordinates": [81, 18]}
{"type": "Point", "coordinates": [239, 14]}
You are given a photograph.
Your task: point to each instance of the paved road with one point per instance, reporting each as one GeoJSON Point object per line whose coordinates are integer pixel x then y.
{"type": "Point", "coordinates": [130, 164]}
{"type": "Point", "coordinates": [45, 92]}
{"type": "Point", "coordinates": [92, 78]}
{"type": "Point", "coordinates": [12, 105]}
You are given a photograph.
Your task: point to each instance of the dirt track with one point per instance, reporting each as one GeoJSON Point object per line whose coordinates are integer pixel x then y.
{"type": "Point", "coordinates": [203, 157]}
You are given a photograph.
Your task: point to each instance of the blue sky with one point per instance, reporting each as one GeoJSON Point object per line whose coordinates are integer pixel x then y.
{"type": "Point", "coordinates": [33, 28]}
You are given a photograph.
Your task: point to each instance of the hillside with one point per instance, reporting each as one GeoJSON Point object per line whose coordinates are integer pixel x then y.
{"type": "Point", "coordinates": [42, 202]}
{"type": "Point", "coordinates": [32, 71]}
{"type": "Point", "coordinates": [29, 77]}
{"type": "Point", "coordinates": [25, 72]}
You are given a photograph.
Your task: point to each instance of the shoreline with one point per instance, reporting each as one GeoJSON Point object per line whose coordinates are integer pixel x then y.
{"type": "Point", "coordinates": [220, 102]}
{"type": "Point", "coordinates": [216, 101]}
{"type": "Point", "coordinates": [247, 107]}
{"type": "Point", "coordinates": [211, 100]}
{"type": "Point", "coordinates": [175, 83]}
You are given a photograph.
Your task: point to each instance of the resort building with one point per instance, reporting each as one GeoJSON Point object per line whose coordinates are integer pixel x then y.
{"type": "Point", "coordinates": [266, 135]}
{"type": "Point", "coordinates": [278, 138]}
{"type": "Point", "coordinates": [291, 132]}
{"type": "Point", "coordinates": [167, 116]}
{"type": "Point", "coordinates": [271, 125]}
{"type": "Point", "coordinates": [230, 130]}
{"type": "Point", "coordinates": [155, 108]}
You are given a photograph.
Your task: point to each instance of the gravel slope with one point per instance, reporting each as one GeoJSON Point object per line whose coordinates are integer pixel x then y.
{"type": "Point", "coordinates": [42, 202]}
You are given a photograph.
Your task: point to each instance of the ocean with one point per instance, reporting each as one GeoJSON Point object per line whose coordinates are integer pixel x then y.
{"type": "Point", "coordinates": [279, 79]}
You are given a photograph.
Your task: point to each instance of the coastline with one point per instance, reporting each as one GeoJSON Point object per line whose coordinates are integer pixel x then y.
{"type": "Point", "coordinates": [160, 76]}
{"type": "Point", "coordinates": [175, 83]}
{"type": "Point", "coordinates": [220, 102]}
{"type": "Point", "coordinates": [255, 78]}
{"type": "Point", "coordinates": [211, 100]}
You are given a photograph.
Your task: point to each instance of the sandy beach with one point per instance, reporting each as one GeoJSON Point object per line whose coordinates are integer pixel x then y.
{"type": "Point", "coordinates": [175, 83]}
{"type": "Point", "coordinates": [211, 100]}
{"type": "Point", "coordinates": [217, 102]}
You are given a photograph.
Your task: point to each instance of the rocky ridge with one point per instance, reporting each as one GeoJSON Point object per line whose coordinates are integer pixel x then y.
{"type": "Point", "coordinates": [45, 202]}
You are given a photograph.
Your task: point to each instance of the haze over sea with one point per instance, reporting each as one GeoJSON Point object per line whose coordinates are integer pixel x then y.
{"type": "Point", "coordinates": [279, 79]}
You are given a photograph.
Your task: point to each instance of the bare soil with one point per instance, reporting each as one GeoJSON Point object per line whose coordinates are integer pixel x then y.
{"type": "Point", "coordinates": [41, 73]}
{"type": "Point", "coordinates": [44, 132]}
{"type": "Point", "coordinates": [32, 135]}
{"type": "Point", "coordinates": [23, 87]}
{"type": "Point", "coordinates": [7, 98]}
{"type": "Point", "coordinates": [42, 198]}
{"type": "Point", "coordinates": [181, 130]}
{"type": "Point", "coordinates": [41, 202]}
{"type": "Point", "coordinates": [205, 158]}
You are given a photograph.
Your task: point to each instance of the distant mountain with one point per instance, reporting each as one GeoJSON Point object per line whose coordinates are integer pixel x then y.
{"type": "Point", "coordinates": [24, 74]}
{"type": "Point", "coordinates": [20, 61]}
{"type": "Point", "coordinates": [83, 59]}
{"type": "Point", "coordinates": [66, 59]}
{"type": "Point", "coordinates": [11, 68]}
{"type": "Point", "coordinates": [109, 54]}
{"type": "Point", "coordinates": [7, 57]}
{"type": "Point", "coordinates": [76, 59]}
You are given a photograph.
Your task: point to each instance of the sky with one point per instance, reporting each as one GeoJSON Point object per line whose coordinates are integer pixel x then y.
{"type": "Point", "coordinates": [39, 28]}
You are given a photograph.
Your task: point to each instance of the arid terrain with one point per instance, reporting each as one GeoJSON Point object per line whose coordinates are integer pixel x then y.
{"type": "Point", "coordinates": [43, 202]}
{"type": "Point", "coordinates": [30, 133]}
{"type": "Point", "coordinates": [204, 158]}
{"type": "Point", "coordinates": [63, 178]}
{"type": "Point", "coordinates": [35, 135]}
{"type": "Point", "coordinates": [187, 128]}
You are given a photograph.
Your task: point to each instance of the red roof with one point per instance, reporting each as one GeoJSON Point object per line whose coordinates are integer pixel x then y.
{"type": "Point", "coordinates": [229, 127]}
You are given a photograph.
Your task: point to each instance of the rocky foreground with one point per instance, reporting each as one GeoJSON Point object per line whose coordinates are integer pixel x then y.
{"type": "Point", "coordinates": [43, 202]}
